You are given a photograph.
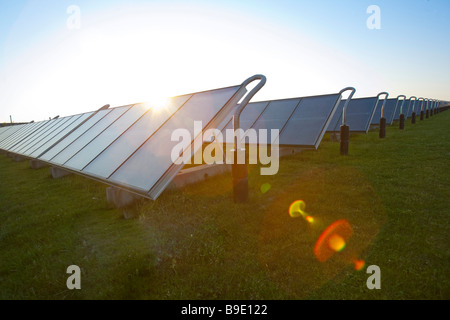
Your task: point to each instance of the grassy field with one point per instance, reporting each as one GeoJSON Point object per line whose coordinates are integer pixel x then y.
{"type": "Point", "coordinates": [195, 243]}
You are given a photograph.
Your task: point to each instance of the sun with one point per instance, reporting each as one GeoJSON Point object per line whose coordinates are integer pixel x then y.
{"type": "Point", "coordinates": [158, 103]}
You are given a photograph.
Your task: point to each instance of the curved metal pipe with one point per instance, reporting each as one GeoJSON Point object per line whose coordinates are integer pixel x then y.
{"type": "Point", "coordinates": [248, 97]}
{"type": "Point", "coordinates": [403, 102]}
{"type": "Point", "coordinates": [384, 102]}
{"type": "Point", "coordinates": [421, 106]}
{"type": "Point", "coordinates": [344, 109]}
{"type": "Point", "coordinates": [409, 105]}
{"type": "Point", "coordinates": [345, 130]}
{"type": "Point", "coordinates": [239, 171]}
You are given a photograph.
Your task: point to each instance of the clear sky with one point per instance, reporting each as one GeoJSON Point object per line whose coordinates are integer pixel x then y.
{"type": "Point", "coordinates": [54, 61]}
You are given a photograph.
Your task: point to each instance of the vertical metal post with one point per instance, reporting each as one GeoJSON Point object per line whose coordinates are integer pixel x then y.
{"type": "Point", "coordinates": [402, 116]}
{"type": "Point", "coordinates": [10, 118]}
{"type": "Point", "coordinates": [382, 133]}
{"type": "Point", "coordinates": [239, 170]}
{"type": "Point", "coordinates": [432, 108]}
{"type": "Point", "coordinates": [421, 109]}
{"type": "Point", "coordinates": [427, 113]}
{"type": "Point", "coordinates": [401, 124]}
{"type": "Point", "coordinates": [345, 138]}
{"type": "Point", "coordinates": [345, 129]}
{"type": "Point", "coordinates": [413, 113]}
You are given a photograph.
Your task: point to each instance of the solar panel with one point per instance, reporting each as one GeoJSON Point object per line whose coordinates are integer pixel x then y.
{"type": "Point", "coordinates": [95, 117]}
{"type": "Point", "coordinates": [401, 107]}
{"type": "Point", "coordinates": [412, 104]}
{"type": "Point", "coordinates": [34, 138]}
{"type": "Point", "coordinates": [132, 138]}
{"type": "Point", "coordinates": [32, 145]}
{"type": "Point", "coordinates": [3, 132]}
{"type": "Point", "coordinates": [153, 158]}
{"type": "Point", "coordinates": [24, 134]}
{"type": "Point", "coordinates": [310, 117]}
{"type": "Point", "coordinates": [88, 135]}
{"type": "Point", "coordinates": [7, 132]}
{"type": "Point", "coordinates": [276, 115]}
{"type": "Point", "coordinates": [104, 139]}
{"type": "Point", "coordinates": [388, 112]}
{"type": "Point", "coordinates": [308, 123]}
{"type": "Point", "coordinates": [358, 116]}
{"type": "Point", "coordinates": [18, 134]}
{"type": "Point", "coordinates": [131, 146]}
{"type": "Point", "coordinates": [57, 135]}
{"type": "Point", "coordinates": [248, 116]}
{"type": "Point", "coordinates": [420, 105]}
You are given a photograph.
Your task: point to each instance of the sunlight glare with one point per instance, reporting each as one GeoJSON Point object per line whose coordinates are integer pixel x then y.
{"type": "Point", "coordinates": [296, 209]}
{"type": "Point", "coordinates": [333, 240]}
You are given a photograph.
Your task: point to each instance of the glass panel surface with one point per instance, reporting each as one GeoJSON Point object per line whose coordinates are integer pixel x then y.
{"type": "Point", "coordinates": [359, 113]}
{"type": "Point", "coordinates": [275, 116]}
{"type": "Point", "coordinates": [112, 157]}
{"type": "Point", "coordinates": [248, 117]}
{"type": "Point", "coordinates": [45, 137]}
{"type": "Point", "coordinates": [336, 120]}
{"type": "Point", "coordinates": [21, 134]}
{"type": "Point", "coordinates": [151, 161]}
{"type": "Point", "coordinates": [70, 125]}
{"type": "Point", "coordinates": [399, 107]}
{"type": "Point", "coordinates": [89, 135]}
{"type": "Point", "coordinates": [104, 139]}
{"type": "Point", "coordinates": [35, 135]}
{"type": "Point", "coordinates": [309, 121]}
{"type": "Point", "coordinates": [387, 113]}
{"type": "Point", "coordinates": [74, 135]}
{"type": "Point", "coordinates": [10, 131]}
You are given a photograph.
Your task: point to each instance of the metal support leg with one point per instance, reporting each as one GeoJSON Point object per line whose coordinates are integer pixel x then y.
{"type": "Point", "coordinates": [345, 137]}
{"type": "Point", "coordinates": [382, 128]}
{"type": "Point", "coordinates": [402, 122]}
{"type": "Point", "coordinates": [240, 183]}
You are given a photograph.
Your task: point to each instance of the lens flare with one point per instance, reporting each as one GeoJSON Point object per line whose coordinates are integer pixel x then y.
{"type": "Point", "coordinates": [265, 187]}
{"type": "Point", "coordinates": [359, 264]}
{"type": "Point", "coordinates": [336, 242]}
{"type": "Point", "coordinates": [309, 219]}
{"type": "Point", "coordinates": [296, 209]}
{"type": "Point", "coordinates": [332, 240]}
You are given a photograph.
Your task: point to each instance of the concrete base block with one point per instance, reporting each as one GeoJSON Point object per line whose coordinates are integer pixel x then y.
{"type": "Point", "coordinates": [129, 213]}
{"type": "Point", "coordinates": [36, 164]}
{"type": "Point", "coordinates": [18, 158]}
{"type": "Point", "coordinates": [287, 151]}
{"type": "Point", "coordinates": [120, 198]}
{"type": "Point", "coordinates": [335, 137]}
{"type": "Point", "coordinates": [126, 201]}
{"type": "Point", "coordinates": [59, 173]}
{"type": "Point", "coordinates": [197, 174]}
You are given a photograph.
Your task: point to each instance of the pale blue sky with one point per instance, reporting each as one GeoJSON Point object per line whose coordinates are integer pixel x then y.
{"type": "Point", "coordinates": [133, 51]}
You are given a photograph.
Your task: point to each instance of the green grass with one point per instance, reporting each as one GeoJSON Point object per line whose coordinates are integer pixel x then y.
{"type": "Point", "coordinates": [195, 243]}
